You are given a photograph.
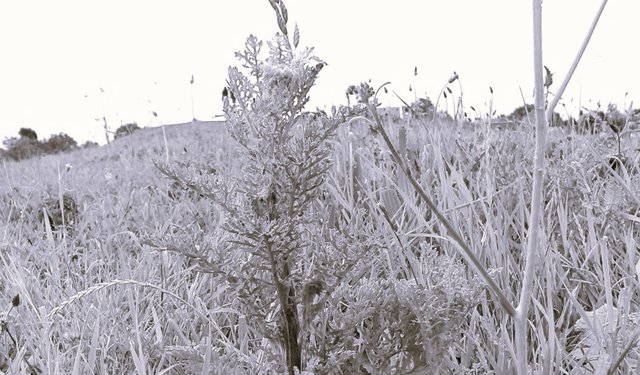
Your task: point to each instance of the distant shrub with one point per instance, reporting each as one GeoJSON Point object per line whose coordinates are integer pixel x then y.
{"type": "Point", "coordinates": [59, 143]}
{"type": "Point", "coordinates": [27, 145]}
{"type": "Point", "coordinates": [125, 130]}
{"type": "Point", "coordinates": [591, 121]}
{"type": "Point", "coordinates": [28, 133]}
{"type": "Point", "coordinates": [527, 113]}
{"type": "Point", "coordinates": [21, 148]}
{"type": "Point", "coordinates": [423, 105]}
{"type": "Point", "coordinates": [519, 114]}
{"type": "Point", "coordinates": [89, 144]}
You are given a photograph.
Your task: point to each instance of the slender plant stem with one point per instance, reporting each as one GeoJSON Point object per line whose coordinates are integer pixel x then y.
{"type": "Point", "coordinates": [535, 218]}
{"type": "Point", "coordinates": [574, 65]}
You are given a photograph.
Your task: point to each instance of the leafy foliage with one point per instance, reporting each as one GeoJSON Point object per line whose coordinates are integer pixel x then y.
{"type": "Point", "coordinates": [59, 143]}
{"type": "Point", "coordinates": [28, 146]}
{"type": "Point", "coordinates": [28, 133]}
{"type": "Point", "coordinates": [126, 129]}
{"type": "Point", "coordinates": [21, 148]}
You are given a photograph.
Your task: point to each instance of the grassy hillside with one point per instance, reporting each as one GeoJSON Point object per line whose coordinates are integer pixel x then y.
{"type": "Point", "coordinates": [97, 298]}
{"type": "Point", "coordinates": [290, 242]}
{"type": "Point", "coordinates": [120, 198]}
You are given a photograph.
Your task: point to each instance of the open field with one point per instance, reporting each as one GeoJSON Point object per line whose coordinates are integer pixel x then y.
{"type": "Point", "coordinates": [97, 298]}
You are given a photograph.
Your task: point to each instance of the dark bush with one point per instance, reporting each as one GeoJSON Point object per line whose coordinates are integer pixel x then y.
{"type": "Point", "coordinates": [591, 121]}
{"type": "Point", "coordinates": [59, 143]}
{"type": "Point", "coordinates": [27, 145]}
{"type": "Point", "coordinates": [89, 144]}
{"type": "Point", "coordinates": [527, 111]}
{"type": "Point", "coordinates": [520, 113]}
{"type": "Point", "coordinates": [21, 148]}
{"type": "Point", "coordinates": [28, 133]}
{"type": "Point", "coordinates": [422, 106]}
{"type": "Point", "coordinates": [125, 130]}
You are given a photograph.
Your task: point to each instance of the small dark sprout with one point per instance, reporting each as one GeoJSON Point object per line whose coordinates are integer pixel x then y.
{"type": "Point", "coordinates": [617, 125]}
{"type": "Point", "coordinates": [548, 79]}
{"type": "Point", "coordinates": [15, 302]}
{"type": "Point", "coordinates": [450, 92]}
{"type": "Point", "coordinates": [272, 198]}
{"type": "Point", "coordinates": [491, 89]}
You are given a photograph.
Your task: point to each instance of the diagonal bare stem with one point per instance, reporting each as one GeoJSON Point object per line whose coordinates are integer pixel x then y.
{"type": "Point", "coordinates": [466, 250]}
{"type": "Point", "coordinates": [574, 65]}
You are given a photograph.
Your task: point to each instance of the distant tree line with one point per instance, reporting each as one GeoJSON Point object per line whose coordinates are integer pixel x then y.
{"type": "Point", "coordinates": [588, 121]}
{"type": "Point", "coordinates": [27, 145]}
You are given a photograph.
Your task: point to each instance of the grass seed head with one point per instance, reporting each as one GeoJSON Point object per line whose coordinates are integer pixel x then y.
{"type": "Point", "coordinates": [453, 78]}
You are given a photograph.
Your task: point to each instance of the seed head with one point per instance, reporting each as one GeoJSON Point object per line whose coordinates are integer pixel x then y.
{"type": "Point", "coordinates": [453, 78]}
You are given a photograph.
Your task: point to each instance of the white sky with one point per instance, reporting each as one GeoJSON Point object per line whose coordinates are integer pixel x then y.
{"type": "Point", "coordinates": [56, 55]}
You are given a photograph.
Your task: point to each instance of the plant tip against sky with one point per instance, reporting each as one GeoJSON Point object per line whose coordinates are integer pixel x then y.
{"type": "Point", "coordinates": [68, 64]}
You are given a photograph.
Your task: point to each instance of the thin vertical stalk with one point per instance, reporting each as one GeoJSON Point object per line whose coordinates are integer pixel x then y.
{"type": "Point", "coordinates": [535, 218]}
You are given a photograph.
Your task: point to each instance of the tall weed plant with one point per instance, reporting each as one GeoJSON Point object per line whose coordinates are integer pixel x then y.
{"type": "Point", "coordinates": [309, 279]}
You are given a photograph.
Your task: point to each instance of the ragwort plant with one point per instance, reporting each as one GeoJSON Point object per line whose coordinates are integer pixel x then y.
{"type": "Point", "coordinates": [303, 252]}
{"type": "Point", "coordinates": [287, 157]}
{"type": "Point", "coordinates": [268, 206]}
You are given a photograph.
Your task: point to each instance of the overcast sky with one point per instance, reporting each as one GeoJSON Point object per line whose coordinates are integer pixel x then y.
{"type": "Point", "coordinates": [66, 63]}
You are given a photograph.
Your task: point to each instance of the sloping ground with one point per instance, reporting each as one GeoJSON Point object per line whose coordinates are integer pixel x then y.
{"type": "Point", "coordinates": [122, 199]}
